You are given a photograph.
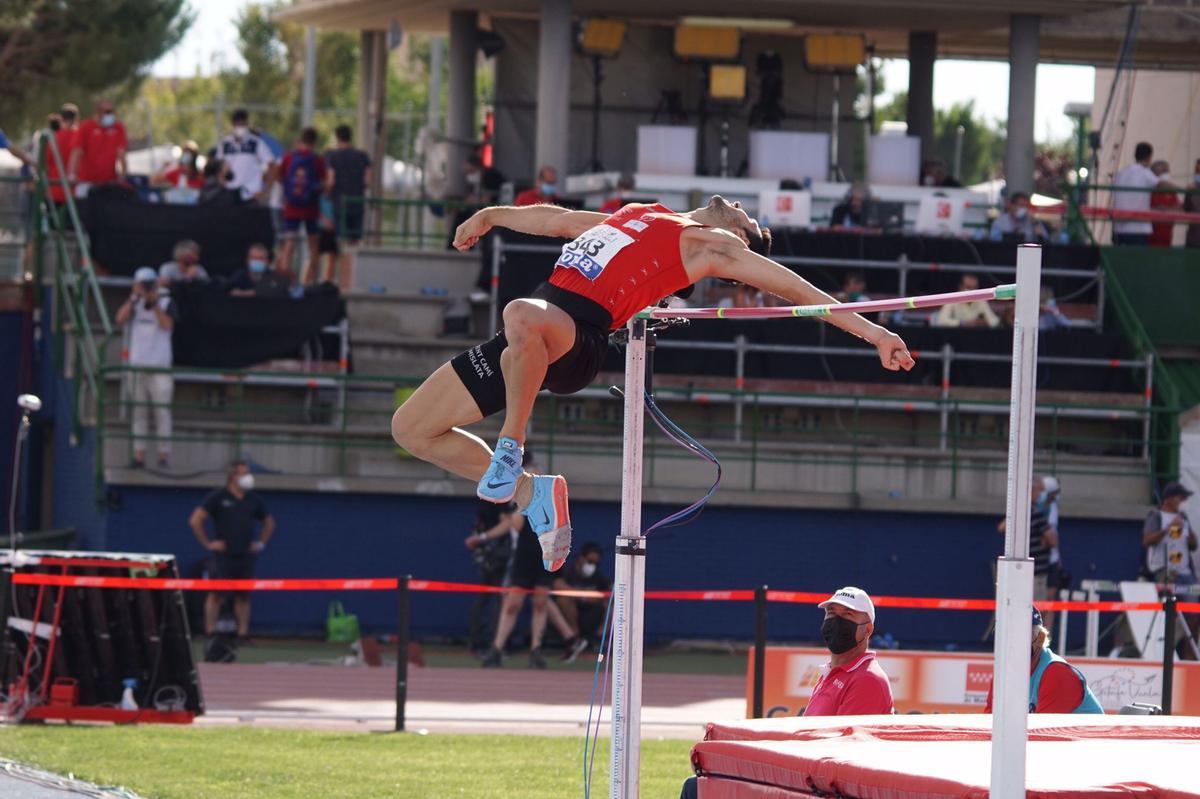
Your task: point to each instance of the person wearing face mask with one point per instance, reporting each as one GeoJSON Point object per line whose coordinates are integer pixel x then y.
{"type": "Point", "coordinates": [235, 511]}
{"type": "Point", "coordinates": [545, 192]}
{"type": "Point", "coordinates": [1017, 223]}
{"type": "Point", "coordinates": [184, 265]}
{"type": "Point", "coordinates": [150, 316]}
{"type": "Point", "coordinates": [257, 277]}
{"type": "Point", "coordinates": [185, 174]}
{"type": "Point", "coordinates": [1055, 686]}
{"type": "Point", "coordinates": [99, 150]}
{"type": "Point", "coordinates": [852, 682]}
{"type": "Point", "coordinates": [247, 159]}
{"type": "Point", "coordinates": [585, 614]}
{"type": "Point", "coordinates": [1191, 205]}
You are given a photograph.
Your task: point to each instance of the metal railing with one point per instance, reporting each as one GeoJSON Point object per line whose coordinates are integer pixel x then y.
{"type": "Point", "coordinates": [770, 431]}
{"type": "Point", "coordinates": [78, 296]}
{"type": "Point", "coordinates": [903, 269]}
{"type": "Point", "coordinates": [407, 223]}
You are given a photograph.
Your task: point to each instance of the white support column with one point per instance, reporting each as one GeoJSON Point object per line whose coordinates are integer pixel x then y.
{"type": "Point", "coordinates": [460, 112]}
{"type": "Point", "coordinates": [1023, 54]}
{"type": "Point", "coordinates": [1014, 586]}
{"type": "Point", "coordinates": [308, 96]}
{"type": "Point", "coordinates": [554, 86]}
{"type": "Point", "coordinates": [629, 584]}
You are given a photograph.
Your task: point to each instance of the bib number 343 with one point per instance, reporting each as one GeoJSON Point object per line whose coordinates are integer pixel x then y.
{"type": "Point", "coordinates": [592, 251]}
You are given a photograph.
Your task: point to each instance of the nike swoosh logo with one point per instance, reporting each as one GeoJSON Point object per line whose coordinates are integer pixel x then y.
{"type": "Point", "coordinates": [545, 519]}
{"type": "Point", "coordinates": [498, 485]}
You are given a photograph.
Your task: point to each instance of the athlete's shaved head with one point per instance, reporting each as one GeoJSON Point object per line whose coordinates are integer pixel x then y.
{"type": "Point", "coordinates": [730, 216]}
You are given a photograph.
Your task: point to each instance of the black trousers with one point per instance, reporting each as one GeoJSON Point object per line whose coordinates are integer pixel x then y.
{"type": "Point", "coordinates": [485, 610]}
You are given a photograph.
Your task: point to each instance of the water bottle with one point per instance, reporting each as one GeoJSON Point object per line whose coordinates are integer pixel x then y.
{"type": "Point", "coordinates": [127, 700]}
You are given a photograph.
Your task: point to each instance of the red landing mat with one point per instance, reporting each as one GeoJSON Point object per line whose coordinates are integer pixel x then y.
{"type": "Point", "coordinates": [906, 757]}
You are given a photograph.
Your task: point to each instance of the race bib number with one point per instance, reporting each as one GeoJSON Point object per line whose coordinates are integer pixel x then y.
{"type": "Point", "coordinates": [592, 251]}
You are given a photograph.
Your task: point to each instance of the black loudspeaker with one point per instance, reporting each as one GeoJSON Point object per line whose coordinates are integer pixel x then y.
{"type": "Point", "coordinates": [95, 653]}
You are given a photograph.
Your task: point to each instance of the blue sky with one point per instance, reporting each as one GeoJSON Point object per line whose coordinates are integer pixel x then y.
{"type": "Point", "coordinates": [209, 44]}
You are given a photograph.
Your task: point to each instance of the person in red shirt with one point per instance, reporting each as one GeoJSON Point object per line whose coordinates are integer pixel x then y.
{"type": "Point", "coordinates": [613, 267]}
{"type": "Point", "coordinates": [1166, 200]}
{"type": "Point", "coordinates": [852, 683]}
{"type": "Point", "coordinates": [65, 128]}
{"type": "Point", "coordinates": [546, 190]}
{"type": "Point", "coordinates": [100, 146]}
{"type": "Point", "coordinates": [1055, 686]}
{"type": "Point", "coordinates": [185, 174]}
{"type": "Point", "coordinates": [617, 202]}
{"type": "Point", "coordinates": [302, 176]}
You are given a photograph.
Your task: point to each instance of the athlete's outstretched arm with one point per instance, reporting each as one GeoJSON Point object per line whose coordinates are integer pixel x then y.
{"type": "Point", "coordinates": [713, 253]}
{"type": "Point", "coordinates": [537, 220]}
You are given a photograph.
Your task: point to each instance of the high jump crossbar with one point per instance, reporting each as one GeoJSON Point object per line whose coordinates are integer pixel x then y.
{"type": "Point", "coordinates": [1015, 570]}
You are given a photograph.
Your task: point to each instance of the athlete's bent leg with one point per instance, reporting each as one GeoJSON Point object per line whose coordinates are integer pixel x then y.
{"type": "Point", "coordinates": [538, 334]}
{"type": "Point", "coordinates": [427, 425]}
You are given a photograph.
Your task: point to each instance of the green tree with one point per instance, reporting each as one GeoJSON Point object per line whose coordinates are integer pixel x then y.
{"type": "Point", "coordinates": [52, 51]}
{"type": "Point", "coordinates": [983, 142]}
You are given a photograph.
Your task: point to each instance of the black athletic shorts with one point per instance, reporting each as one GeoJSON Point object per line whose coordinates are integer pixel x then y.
{"type": "Point", "coordinates": [237, 566]}
{"type": "Point", "coordinates": [525, 569]}
{"type": "Point", "coordinates": [327, 242]}
{"type": "Point", "coordinates": [479, 367]}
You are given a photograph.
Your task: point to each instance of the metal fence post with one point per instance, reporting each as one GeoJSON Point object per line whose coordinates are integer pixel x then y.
{"type": "Point", "coordinates": [402, 621]}
{"type": "Point", "coordinates": [760, 647]}
{"type": "Point", "coordinates": [1168, 679]}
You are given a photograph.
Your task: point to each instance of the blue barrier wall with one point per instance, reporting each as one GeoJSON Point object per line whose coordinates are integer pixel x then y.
{"type": "Point", "coordinates": [339, 535]}
{"type": "Point", "coordinates": [10, 365]}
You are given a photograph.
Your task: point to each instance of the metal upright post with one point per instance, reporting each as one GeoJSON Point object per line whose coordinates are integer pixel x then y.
{"type": "Point", "coordinates": [494, 287]}
{"type": "Point", "coordinates": [1170, 636]}
{"type": "Point", "coordinates": [630, 583]}
{"type": "Point", "coordinates": [1014, 587]}
{"type": "Point", "coordinates": [403, 617]}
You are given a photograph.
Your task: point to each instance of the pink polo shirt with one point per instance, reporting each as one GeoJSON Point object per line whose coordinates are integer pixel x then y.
{"type": "Point", "coordinates": [856, 689]}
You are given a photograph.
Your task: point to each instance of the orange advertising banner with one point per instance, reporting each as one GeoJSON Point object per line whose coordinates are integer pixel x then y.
{"type": "Point", "coordinates": [956, 682]}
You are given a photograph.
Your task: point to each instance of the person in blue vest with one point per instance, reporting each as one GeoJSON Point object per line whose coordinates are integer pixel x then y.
{"type": "Point", "coordinates": [1055, 686]}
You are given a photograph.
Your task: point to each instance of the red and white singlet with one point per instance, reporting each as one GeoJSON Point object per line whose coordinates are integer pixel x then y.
{"type": "Point", "coordinates": [627, 262]}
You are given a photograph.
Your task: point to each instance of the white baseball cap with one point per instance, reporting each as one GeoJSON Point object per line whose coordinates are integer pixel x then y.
{"type": "Point", "coordinates": [853, 598]}
{"type": "Point", "coordinates": [1050, 484]}
{"type": "Point", "coordinates": [145, 274]}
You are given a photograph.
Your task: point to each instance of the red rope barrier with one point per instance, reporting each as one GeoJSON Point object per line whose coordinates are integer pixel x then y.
{"type": "Point", "coordinates": [440, 586]}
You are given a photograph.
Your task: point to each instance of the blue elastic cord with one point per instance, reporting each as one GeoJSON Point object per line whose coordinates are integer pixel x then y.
{"type": "Point", "coordinates": [602, 655]}
{"type": "Point", "coordinates": [680, 437]}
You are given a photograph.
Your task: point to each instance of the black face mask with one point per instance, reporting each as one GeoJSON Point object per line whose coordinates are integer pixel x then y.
{"type": "Point", "coordinates": [840, 634]}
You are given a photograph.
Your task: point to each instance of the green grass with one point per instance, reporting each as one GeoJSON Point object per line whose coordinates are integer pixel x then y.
{"type": "Point", "coordinates": [244, 763]}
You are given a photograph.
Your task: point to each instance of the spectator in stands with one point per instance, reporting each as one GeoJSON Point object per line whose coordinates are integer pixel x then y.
{"type": "Point", "coordinates": [1191, 205]}
{"type": "Point", "coordinates": [184, 265]}
{"type": "Point", "coordinates": [1051, 491]}
{"type": "Point", "coordinates": [235, 510]}
{"type": "Point", "coordinates": [546, 190]}
{"type": "Point", "coordinates": [525, 575]}
{"type": "Point", "coordinates": [1162, 232]}
{"type": "Point", "coordinates": [246, 159]}
{"type": "Point", "coordinates": [491, 546]}
{"type": "Point", "coordinates": [64, 126]}
{"type": "Point", "coordinates": [151, 316]}
{"type": "Point", "coordinates": [1169, 539]}
{"type": "Point", "coordinates": [302, 176]}
{"type": "Point", "coordinates": [852, 683]}
{"type": "Point", "coordinates": [1042, 539]}
{"type": "Point", "coordinates": [214, 191]}
{"type": "Point", "coordinates": [585, 614]}
{"type": "Point", "coordinates": [348, 175]}
{"type": "Point", "coordinates": [854, 287]}
{"type": "Point", "coordinates": [967, 314]}
{"type": "Point", "coordinates": [934, 173]}
{"type": "Point", "coordinates": [18, 153]}
{"type": "Point", "coordinates": [1049, 315]}
{"type": "Point", "coordinates": [257, 278]}
{"type": "Point", "coordinates": [1055, 686]}
{"type": "Point", "coordinates": [1017, 223]}
{"type": "Point", "coordinates": [99, 150]}
{"type": "Point", "coordinates": [184, 173]}
{"type": "Point", "coordinates": [617, 201]}
{"type": "Point", "coordinates": [851, 211]}
{"type": "Point", "coordinates": [483, 182]}
{"type": "Point", "coordinates": [1136, 179]}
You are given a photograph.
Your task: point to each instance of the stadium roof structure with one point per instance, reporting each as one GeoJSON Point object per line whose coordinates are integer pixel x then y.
{"type": "Point", "coordinates": [1072, 31]}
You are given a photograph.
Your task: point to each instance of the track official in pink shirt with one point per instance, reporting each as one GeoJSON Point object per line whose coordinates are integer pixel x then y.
{"type": "Point", "coordinates": [852, 682]}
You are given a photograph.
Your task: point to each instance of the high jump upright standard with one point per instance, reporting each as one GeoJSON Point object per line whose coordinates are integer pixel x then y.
{"type": "Point", "coordinates": [1014, 589]}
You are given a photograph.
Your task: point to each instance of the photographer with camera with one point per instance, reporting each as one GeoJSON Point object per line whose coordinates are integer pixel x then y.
{"type": "Point", "coordinates": [491, 546]}
{"type": "Point", "coordinates": [150, 316]}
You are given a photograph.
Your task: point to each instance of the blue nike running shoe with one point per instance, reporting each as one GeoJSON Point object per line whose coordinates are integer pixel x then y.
{"type": "Point", "coordinates": [499, 482]}
{"type": "Point", "coordinates": [548, 516]}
